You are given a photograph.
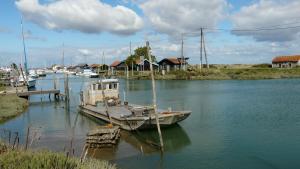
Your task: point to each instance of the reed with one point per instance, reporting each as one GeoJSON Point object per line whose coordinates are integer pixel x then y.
{"type": "Point", "coordinates": [22, 159]}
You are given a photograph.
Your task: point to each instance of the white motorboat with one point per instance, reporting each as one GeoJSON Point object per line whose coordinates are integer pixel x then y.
{"type": "Point", "coordinates": [41, 72]}
{"type": "Point", "coordinates": [89, 73]}
{"type": "Point", "coordinates": [29, 81]}
{"type": "Point", "coordinates": [33, 74]}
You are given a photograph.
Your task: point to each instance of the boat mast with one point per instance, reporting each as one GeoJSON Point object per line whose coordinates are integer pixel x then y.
{"type": "Point", "coordinates": [154, 98]}
{"type": "Point", "coordinates": [24, 48]}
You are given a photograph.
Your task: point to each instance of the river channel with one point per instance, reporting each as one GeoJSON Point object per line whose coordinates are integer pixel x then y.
{"type": "Point", "coordinates": [242, 124]}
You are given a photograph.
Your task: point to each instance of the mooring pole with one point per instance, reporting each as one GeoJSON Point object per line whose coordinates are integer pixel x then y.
{"type": "Point", "coordinates": [27, 137]}
{"type": "Point", "coordinates": [154, 98]}
{"type": "Point", "coordinates": [67, 97]}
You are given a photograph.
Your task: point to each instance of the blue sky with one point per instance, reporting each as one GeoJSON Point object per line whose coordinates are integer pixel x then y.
{"type": "Point", "coordinates": [89, 27]}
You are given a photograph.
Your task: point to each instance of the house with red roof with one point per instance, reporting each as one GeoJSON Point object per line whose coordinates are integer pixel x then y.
{"type": "Point", "coordinates": [172, 63]}
{"type": "Point", "coordinates": [286, 61]}
{"type": "Point", "coordinates": [118, 65]}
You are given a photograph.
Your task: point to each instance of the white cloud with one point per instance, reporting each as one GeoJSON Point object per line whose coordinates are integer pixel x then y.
{"type": "Point", "coordinates": [88, 16]}
{"type": "Point", "coordinates": [177, 16]}
{"type": "Point", "coordinates": [269, 14]}
{"type": "Point", "coordinates": [85, 52]}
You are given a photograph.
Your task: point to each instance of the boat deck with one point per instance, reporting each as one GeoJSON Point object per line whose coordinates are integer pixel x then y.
{"type": "Point", "coordinates": [114, 111]}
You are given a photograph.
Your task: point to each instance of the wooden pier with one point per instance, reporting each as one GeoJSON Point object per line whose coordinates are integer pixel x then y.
{"type": "Point", "coordinates": [25, 93]}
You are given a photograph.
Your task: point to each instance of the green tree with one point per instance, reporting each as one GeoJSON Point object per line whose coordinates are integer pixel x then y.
{"type": "Point", "coordinates": [138, 52]}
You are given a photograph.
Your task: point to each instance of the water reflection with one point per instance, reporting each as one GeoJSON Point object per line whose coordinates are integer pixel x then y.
{"type": "Point", "coordinates": [144, 143]}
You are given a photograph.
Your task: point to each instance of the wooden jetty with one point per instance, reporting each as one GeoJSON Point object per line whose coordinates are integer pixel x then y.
{"type": "Point", "coordinates": [25, 93]}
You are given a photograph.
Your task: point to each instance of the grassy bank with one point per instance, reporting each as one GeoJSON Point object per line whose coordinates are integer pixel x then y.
{"type": "Point", "coordinates": [252, 73]}
{"type": "Point", "coordinates": [22, 159]}
{"type": "Point", "coordinates": [2, 88]}
{"type": "Point", "coordinates": [11, 106]}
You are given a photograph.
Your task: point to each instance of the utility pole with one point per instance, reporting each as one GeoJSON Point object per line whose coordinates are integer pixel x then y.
{"type": "Point", "coordinates": [182, 57]}
{"type": "Point", "coordinates": [202, 48]}
{"type": "Point", "coordinates": [99, 67]}
{"type": "Point", "coordinates": [207, 65]}
{"type": "Point", "coordinates": [63, 55]}
{"type": "Point", "coordinates": [102, 61]}
{"type": "Point", "coordinates": [154, 98]}
{"type": "Point", "coordinates": [131, 61]}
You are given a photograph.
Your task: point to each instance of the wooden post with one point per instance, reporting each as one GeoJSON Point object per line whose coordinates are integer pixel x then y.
{"type": "Point", "coordinates": [27, 137]}
{"type": "Point", "coordinates": [154, 98]}
{"type": "Point", "coordinates": [54, 82]}
{"type": "Point", "coordinates": [127, 73]}
{"type": "Point", "coordinates": [67, 97]}
{"type": "Point", "coordinates": [42, 95]}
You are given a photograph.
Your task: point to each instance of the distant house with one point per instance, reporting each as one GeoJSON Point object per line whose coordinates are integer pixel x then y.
{"type": "Point", "coordinates": [172, 63]}
{"type": "Point", "coordinates": [118, 65]}
{"type": "Point", "coordinates": [286, 61]}
{"type": "Point", "coordinates": [95, 67]}
{"type": "Point", "coordinates": [145, 65]}
{"type": "Point", "coordinates": [71, 68]}
{"type": "Point", "coordinates": [80, 67]}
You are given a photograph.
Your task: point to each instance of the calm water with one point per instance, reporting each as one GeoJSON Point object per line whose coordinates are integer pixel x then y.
{"type": "Point", "coordinates": [234, 124]}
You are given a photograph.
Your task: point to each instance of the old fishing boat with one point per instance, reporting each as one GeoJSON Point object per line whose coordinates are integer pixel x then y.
{"type": "Point", "coordinates": [101, 100]}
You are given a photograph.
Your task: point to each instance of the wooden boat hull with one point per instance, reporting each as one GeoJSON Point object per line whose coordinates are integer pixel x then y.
{"type": "Point", "coordinates": [137, 122]}
{"type": "Point", "coordinates": [124, 124]}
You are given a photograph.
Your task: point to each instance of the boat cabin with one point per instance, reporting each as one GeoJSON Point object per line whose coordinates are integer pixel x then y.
{"type": "Point", "coordinates": [95, 92]}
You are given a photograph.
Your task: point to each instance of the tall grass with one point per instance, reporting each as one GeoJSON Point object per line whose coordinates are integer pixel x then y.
{"type": "Point", "coordinates": [21, 159]}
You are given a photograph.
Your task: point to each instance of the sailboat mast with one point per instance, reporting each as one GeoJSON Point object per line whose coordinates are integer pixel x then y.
{"type": "Point", "coordinates": [24, 47]}
{"type": "Point", "coordinates": [63, 55]}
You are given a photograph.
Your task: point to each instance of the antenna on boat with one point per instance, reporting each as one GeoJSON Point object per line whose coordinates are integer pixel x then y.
{"type": "Point", "coordinates": [154, 98]}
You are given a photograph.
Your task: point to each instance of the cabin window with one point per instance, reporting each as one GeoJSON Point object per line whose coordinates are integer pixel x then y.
{"type": "Point", "coordinates": [100, 87]}
{"type": "Point", "coordinates": [110, 86]}
{"type": "Point", "coordinates": [115, 85]}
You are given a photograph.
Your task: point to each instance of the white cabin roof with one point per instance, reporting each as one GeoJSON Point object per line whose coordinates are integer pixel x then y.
{"type": "Point", "coordinates": [109, 81]}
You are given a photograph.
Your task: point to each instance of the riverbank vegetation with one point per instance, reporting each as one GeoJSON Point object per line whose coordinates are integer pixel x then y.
{"type": "Point", "coordinates": [2, 87]}
{"type": "Point", "coordinates": [253, 72]}
{"type": "Point", "coordinates": [22, 159]}
{"type": "Point", "coordinates": [11, 106]}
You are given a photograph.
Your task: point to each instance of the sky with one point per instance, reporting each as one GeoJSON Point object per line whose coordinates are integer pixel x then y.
{"type": "Point", "coordinates": [236, 31]}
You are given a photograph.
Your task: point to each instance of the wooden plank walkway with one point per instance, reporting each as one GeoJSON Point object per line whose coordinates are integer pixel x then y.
{"type": "Point", "coordinates": [29, 93]}
{"type": "Point", "coordinates": [23, 92]}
